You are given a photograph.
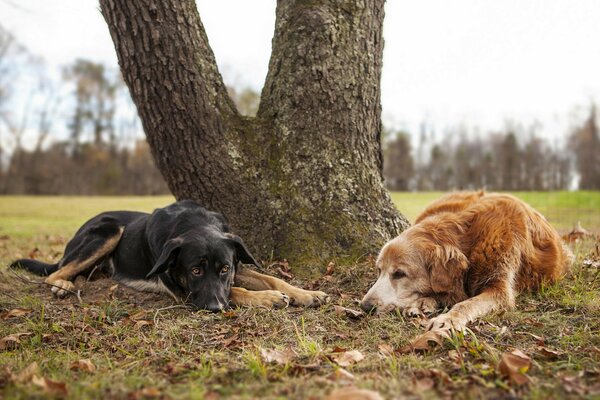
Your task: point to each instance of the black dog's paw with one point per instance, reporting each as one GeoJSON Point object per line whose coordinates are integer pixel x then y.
{"type": "Point", "coordinates": [308, 298]}
{"type": "Point", "coordinates": [271, 299]}
{"type": "Point", "coordinates": [62, 288]}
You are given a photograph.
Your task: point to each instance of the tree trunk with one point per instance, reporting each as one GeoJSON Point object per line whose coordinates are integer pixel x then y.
{"type": "Point", "coordinates": [302, 180]}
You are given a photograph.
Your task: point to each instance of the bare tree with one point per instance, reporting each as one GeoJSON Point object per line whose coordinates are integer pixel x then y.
{"type": "Point", "coordinates": [398, 168]}
{"type": "Point", "coordinates": [303, 179]}
{"type": "Point", "coordinates": [585, 142]}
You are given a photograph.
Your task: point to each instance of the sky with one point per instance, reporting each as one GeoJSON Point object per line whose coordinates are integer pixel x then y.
{"type": "Point", "coordinates": [447, 62]}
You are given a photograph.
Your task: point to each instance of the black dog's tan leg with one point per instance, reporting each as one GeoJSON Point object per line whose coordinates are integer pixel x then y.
{"type": "Point", "coordinates": [261, 298]}
{"type": "Point", "coordinates": [91, 252]}
{"type": "Point", "coordinates": [252, 280]}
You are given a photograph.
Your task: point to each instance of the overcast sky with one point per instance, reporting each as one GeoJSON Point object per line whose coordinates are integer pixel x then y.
{"type": "Point", "coordinates": [478, 62]}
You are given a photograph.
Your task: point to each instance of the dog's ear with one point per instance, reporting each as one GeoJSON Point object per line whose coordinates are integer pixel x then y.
{"type": "Point", "coordinates": [167, 258]}
{"type": "Point", "coordinates": [242, 252]}
{"type": "Point", "coordinates": [448, 266]}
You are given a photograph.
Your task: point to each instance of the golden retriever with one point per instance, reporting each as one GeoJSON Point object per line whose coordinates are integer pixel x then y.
{"type": "Point", "coordinates": [472, 251]}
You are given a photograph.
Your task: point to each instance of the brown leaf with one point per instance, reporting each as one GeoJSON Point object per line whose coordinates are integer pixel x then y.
{"type": "Point", "coordinates": [347, 358]}
{"type": "Point", "coordinates": [142, 323]}
{"type": "Point", "coordinates": [26, 374]}
{"type": "Point", "coordinates": [353, 393]}
{"type": "Point", "coordinates": [573, 384]}
{"type": "Point", "coordinates": [50, 386]}
{"type": "Point", "coordinates": [534, 322]}
{"type": "Point", "coordinates": [386, 350]}
{"type": "Point", "coordinates": [12, 341]}
{"type": "Point", "coordinates": [423, 384]}
{"type": "Point", "coordinates": [138, 315]}
{"type": "Point", "coordinates": [548, 353]}
{"type": "Point", "coordinates": [330, 268]}
{"type": "Point", "coordinates": [15, 312]}
{"type": "Point", "coordinates": [284, 273]}
{"type": "Point", "coordinates": [421, 342]}
{"type": "Point", "coordinates": [350, 313]}
{"type": "Point", "coordinates": [340, 375]}
{"type": "Point", "coordinates": [281, 357]}
{"type": "Point", "coordinates": [84, 365]}
{"type": "Point", "coordinates": [34, 252]}
{"type": "Point", "coordinates": [515, 365]}
{"type": "Point", "coordinates": [145, 393]}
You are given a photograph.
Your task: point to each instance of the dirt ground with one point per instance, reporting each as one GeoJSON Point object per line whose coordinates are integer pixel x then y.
{"type": "Point", "coordinates": [113, 342]}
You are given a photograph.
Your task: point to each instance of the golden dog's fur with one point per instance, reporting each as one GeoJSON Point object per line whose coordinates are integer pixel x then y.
{"type": "Point", "coordinates": [472, 251]}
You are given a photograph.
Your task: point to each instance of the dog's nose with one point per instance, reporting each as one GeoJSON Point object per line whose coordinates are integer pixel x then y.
{"type": "Point", "coordinates": [212, 307]}
{"type": "Point", "coordinates": [368, 307]}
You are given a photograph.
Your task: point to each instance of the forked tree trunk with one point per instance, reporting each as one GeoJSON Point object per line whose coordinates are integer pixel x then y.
{"type": "Point", "coordinates": [303, 179]}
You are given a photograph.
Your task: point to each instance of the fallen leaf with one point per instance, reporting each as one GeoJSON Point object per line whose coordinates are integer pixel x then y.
{"type": "Point", "coordinates": [340, 375]}
{"type": "Point", "coordinates": [141, 323]}
{"type": "Point", "coordinates": [26, 374]}
{"type": "Point", "coordinates": [145, 393]}
{"type": "Point", "coordinates": [515, 365]}
{"type": "Point", "coordinates": [353, 393]}
{"type": "Point", "coordinates": [347, 358]}
{"type": "Point", "coordinates": [330, 268]}
{"type": "Point", "coordinates": [281, 357]}
{"type": "Point", "coordinates": [284, 273]}
{"type": "Point", "coordinates": [84, 365]}
{"type": "Point", "coordinates": [11, 341]}
{"type": "Point", "coordinates": [548, 353]}
{"type": "Point", "coordinates": [533, 322]}
{"type": "Point", "coordinates": [386, 350]}
{"type": "Point", "coordinates": [421, 385]}
{"type": "Point", "coordinates": [34, 252]}
{"type": "Point", "coordinates": [354, 314]}
{"type": "Point", "coordinates": [421, 342]}
{"type": "Point", "coordinates": [138, 315]}
{"type": "Point", "coordinates": [15, 312]}
{"type": "Point", "coordinates": [50, 386]}
{"type": "Point", "coordinates": [573, 384]}
{"type": "Point", "coordinates": [588, 262]}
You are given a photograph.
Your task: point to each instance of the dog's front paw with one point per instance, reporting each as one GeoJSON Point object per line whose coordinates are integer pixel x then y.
{"type": "Point", "coordinates": [308, 298]}
{"type": "Point", "coordinates": [447, 322]}
{"type": "Point", "coordinates": [421, 306]}
{"type": "Point", "coordinates": [62, 288]}
{"type": "Point", "coordinates": [271, 299]}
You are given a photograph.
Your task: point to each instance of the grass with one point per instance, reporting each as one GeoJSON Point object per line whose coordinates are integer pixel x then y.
{"type": "Point", "coordinates": [562, 209]}
{"type": "Point", "coordinates": [142, 346]}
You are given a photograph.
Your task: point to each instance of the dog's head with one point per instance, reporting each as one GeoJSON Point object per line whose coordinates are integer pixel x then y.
{"type": "Point", "coordinates": [203, 266]}
{"type": "Point", "coordinates": [414, 265]}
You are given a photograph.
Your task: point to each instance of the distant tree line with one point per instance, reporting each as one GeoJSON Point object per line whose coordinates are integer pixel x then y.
{"type": "Point", "coordinates": [79, 133]}
{"type": "Point", "coordinates": [498, 161]}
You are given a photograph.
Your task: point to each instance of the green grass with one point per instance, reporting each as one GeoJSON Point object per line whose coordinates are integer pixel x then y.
{"type": "Point", "coordinates": [27, 216]}
{"type": "Point", "coordinates": [142, 346]}
{"type": "Point", "coordinates": [562, 209]}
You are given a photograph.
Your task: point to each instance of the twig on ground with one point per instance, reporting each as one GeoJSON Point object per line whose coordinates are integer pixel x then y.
{"type": "Point", "coordinates": [158, 310]}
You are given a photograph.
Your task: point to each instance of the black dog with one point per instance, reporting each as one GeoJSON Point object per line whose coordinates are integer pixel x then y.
{"type": "Point", "coordinates": [183, 250]}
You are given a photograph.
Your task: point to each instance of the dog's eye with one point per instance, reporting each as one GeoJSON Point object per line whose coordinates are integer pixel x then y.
{"type": "Point", "coordinates": [197, 271]}
{"type": "Point", "coordinates": [398, 274]}
{"type": "Point", "coordinates": [225, 269]}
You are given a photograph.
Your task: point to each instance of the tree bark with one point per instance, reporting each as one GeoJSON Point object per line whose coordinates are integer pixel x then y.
{"type": "Point", "coordinates": [302, 180]}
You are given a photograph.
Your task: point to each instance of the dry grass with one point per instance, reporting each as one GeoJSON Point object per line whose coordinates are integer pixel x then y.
{"type": "Point", "coordinates": [142, 347]}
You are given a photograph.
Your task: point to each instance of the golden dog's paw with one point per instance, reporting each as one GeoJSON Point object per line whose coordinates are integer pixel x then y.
{"type": "Point", "coordinates": [422, 306]}
{"type": "Point", "coordinates": [62, 288]}
{"type": "Point", "coordinates": [308, 298]}
{"type": "Point", "coordinates": [447, 322]}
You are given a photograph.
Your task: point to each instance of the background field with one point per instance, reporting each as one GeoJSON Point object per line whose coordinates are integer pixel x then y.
{"type": "Point", "coordinates": [144, 346]}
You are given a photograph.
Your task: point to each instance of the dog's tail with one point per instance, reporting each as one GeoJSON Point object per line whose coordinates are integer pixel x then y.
{"type": "Point", "coordinates": [37, 267]}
